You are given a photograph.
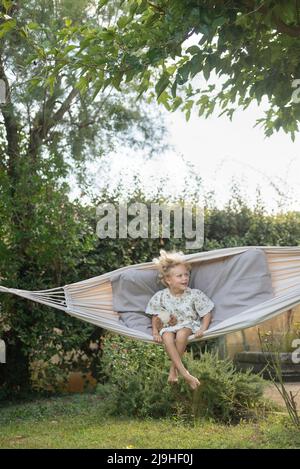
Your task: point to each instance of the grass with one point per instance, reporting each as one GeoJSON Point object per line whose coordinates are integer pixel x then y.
{"type": "Point", "coordinates": [79, 421]}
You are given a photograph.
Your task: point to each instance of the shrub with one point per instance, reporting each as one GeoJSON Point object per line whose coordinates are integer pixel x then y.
{"type": "Point", "coordinates": [135, 374]}
{"type": "Point", "coordinates": [225, 394]}
{"type": "Point", "coordinates": [134, 383]}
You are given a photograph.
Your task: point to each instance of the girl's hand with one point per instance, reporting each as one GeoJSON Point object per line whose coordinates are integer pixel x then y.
{"type": "Point", "coordinates": [199, 333]}
{"type": "Point", "coordinates": [158, 323]}
{"type": "Point", "coordinates": [157, 337]}
{"type": "Point", "coordinates": [172, 320]}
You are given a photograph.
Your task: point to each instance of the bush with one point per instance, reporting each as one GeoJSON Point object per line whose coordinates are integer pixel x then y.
{"type": "Point", "coordinates": [135, 374]}
{"type": "Point", "coordinates": [135, 384]}
{"type": "Point", "coordinates": [225, 394]}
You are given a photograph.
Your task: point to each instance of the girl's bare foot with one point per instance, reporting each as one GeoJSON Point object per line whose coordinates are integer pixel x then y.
{"type": "Point", "coordinates": [173, 375]}
{"type": "Point", "coordinates": [192, 382]}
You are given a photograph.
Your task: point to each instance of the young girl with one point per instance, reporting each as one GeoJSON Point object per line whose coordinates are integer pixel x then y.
{"type": "Point", "coordinates": [190, 310]}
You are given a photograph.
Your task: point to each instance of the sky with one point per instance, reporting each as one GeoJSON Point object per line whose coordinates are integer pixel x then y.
{"type": "Point", "coordinates": [224, 150]}
{"type": "Point", "coordinates": [221, 152]}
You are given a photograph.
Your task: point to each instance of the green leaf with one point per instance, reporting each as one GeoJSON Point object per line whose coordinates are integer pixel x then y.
{"type": "Point", "coordinates": [130, 74]}
{"type": "Point", "coordinates": [98, 87]}
{"type": "Point", "coordinates": [82, 84]}
{"type": "Point", "coordinates": [23, 31]}
{"type": "Point", "coordinates": [177, 102]}
{"type": "Point", "coordinates": [174, 89]}
{"type": "Point", "coordinates": [219, 22]}
{"type": "Point", "coordinates": [196, 64]}
{"type": "Point", "coordinates": [102, 3]}
{"type": "Point", "coordinates": [41, 52]}
{"type": "Point", "coordinates": [154, 55]}
{"type": "Point", "coordinates": [69, 48]}
{"type": "Point", "coordinates": [183, 73]}
{"type": "Point", "coordinates": [123, 21]}
{"type": "Point", "coordinates": [107, 34]}
{"type": "Point", "coordinates": [172, 69]}
{"type": "Point", "coordinates": [7, 26]}
{"type": "Point", "coordinates": [68, 22]}
{"type": "Point", "coordinates": [193, 50]}
{"type": "Point", "coordinates": [116, 81]}
{"type": "Point", "coordinates": [32, 25]}
{"type": "Point", "coordinates": [206, 71]}
{"type": "Point", "coordinates": [7, 4]}
{"type": "Point", "coordinates": [164, 99]}
{"type": "Point", "coordinates": [162, 83]}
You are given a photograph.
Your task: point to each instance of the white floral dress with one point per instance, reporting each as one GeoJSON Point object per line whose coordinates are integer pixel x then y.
{"type": "Point", "coordinates": [188, 308]}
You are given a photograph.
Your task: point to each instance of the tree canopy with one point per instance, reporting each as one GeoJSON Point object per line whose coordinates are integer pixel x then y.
{"type": "Point", "coordinates": [246, 50]}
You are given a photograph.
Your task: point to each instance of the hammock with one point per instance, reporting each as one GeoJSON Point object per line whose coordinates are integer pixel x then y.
{"type": "Point", "coordinates": [91, 300]}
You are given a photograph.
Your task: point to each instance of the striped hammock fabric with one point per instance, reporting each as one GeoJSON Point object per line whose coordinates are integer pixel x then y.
{"type": "Point", "coordinates": [91, 300]}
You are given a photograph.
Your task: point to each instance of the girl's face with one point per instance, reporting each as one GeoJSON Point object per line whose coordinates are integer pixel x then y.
{"type": "Point", "coordinates": [178, 278]}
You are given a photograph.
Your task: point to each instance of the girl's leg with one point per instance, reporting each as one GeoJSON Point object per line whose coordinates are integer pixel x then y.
{"type": "Point", "coordinates": [169, 342]}
{"type": "Point", "coordinates": [181, 343]}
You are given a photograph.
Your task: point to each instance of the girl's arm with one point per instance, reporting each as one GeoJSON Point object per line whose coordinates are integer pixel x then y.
{"type": "Point", "coordinates": [205, 322]}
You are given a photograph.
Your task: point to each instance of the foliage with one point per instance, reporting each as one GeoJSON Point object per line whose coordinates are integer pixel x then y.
{"type": "Point", "coordinates": [225, 394]}
{"type": "Point", "coordinates": [32, 332]}
{"type": "Point", "coordinates": [136, 384]}
{"type": "Point", "coordinates": [135, 374]}
{"type": "Point", "coordinates": [48, 134]}
{"type": "Point", "coordinates": [272, 353]}
{"type": "Point", "coordinates": [171, 47]}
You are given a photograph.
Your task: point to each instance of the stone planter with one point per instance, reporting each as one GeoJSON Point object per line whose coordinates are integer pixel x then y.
{"type": "Point", "coordinates": [257, 361]}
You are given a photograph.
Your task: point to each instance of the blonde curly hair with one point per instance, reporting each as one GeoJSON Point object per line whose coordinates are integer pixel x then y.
{"type": "Point", "coordinates": [167, 260]}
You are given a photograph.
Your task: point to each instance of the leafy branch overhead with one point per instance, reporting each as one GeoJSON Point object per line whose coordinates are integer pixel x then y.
{"type": "Point", "coordinates": [247, 50]}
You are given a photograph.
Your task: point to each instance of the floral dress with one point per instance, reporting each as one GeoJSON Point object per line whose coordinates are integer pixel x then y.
{"type": "Point", "coordinates": [188, 308]}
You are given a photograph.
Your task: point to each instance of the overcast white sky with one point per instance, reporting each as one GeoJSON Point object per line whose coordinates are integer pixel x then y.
{"type": "Point", "coordinates": [221, 151]}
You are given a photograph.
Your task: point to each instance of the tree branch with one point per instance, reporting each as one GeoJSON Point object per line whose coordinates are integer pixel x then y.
{"type": "Point", "coordinates": [293, 31]}
{"type": "Point", "coordinates": [11, 127]}
{"type": "Point", "coordinates": [281, 26]}
{"type": "Point", "coordinates": [44, 121]}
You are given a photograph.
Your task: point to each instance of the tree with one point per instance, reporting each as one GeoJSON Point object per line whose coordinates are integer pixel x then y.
{"type": "Point", "coordinates": [49, 131]}
{"type": "Point", "coordinates": [250, 45]}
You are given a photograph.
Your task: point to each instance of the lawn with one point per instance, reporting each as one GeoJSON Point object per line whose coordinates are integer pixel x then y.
{"type": "Point", "coordinates": [79, 421]}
